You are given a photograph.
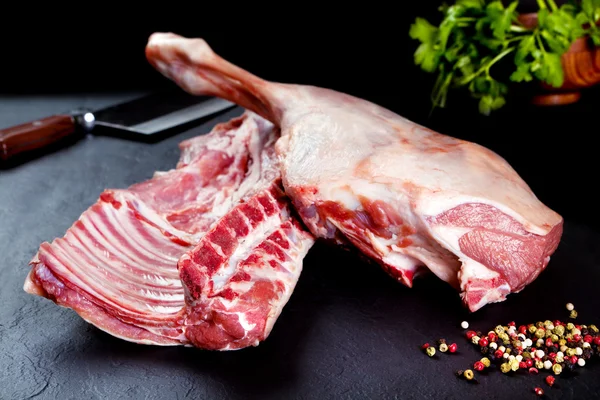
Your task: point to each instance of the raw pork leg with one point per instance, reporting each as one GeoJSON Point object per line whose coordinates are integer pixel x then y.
{"type": "Point", "coordinates": [117, 265]}
{"type": "Point", "coordinates": [409, 198]}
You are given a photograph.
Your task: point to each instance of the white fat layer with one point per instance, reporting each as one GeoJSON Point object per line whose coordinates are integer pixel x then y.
{"type": "Point", "coordinates": [401, 261]}
{"type": "Point", "coordinates": [472, 269]}
{"type": "Point", "coordinates": [493, 295]}
{"type": "Point", "coordinates": [342, 196]}
{"type": "Point", "coordinates": [161, 296]}
{"type": "Point", "coordinates": [245, 247]}
{"type": "Point", "coordinates": [154, 217]}
{"type": "Point", "coordinates": [244, 322]}
{"type": "Point", "coordinates": [449, 236]}
{"type": "Point", "coordinates": [163, 309]}
{"type": "Point", "coordinates": [435, 204]}
{"type": "Point", "coordinates": [159, 280]}
{"type": "Point", "coordinates": [381, 245]}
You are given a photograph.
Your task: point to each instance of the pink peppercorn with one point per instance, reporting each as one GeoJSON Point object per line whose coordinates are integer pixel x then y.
{"type": "Point", "coordinates": [523, 329]}
{"type": "Point", "coordinates": [529, 362]}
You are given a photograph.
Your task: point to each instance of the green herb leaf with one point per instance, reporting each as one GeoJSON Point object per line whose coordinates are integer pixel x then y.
{"type": "Point", "coordinates": [422, 30]}
{"type": "Point", "coordinates": [489, 103]}
{"type": "Point", "coordinates": [475, 35]}
{"type": "Point", "coordinates": [426, 55]}
{"type": "Point", "coordinates": [522, 73]}
{"type": "Point", "coordinates": [587, 7]}
{"type": "Point", "coordinates": [550, 70]}
{"type": "Point", "coordinates": [501, 18]}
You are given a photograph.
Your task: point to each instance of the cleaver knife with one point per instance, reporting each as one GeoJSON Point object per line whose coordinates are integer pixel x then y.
{"type": "Point", "coordinates": [148, 118]}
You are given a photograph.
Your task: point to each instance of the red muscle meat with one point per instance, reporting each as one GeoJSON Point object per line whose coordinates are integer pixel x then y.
{"type": "Point", "coordinates": [411, 199]}
{"type": "Point", "coordinates": [117, 265]}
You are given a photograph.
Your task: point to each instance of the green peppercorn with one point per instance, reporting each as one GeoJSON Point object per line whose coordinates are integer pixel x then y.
{"type": "Point", "coordinates": [573, 314]}
{"type": "Point", "coordinates": [594, 328]}
{"type": "Point", "coordinates": [569, 336]}
{"type": "Point", "coordinates": [557, 369]}
{"type": "Point", "coordinates": [570, 326]}
{"type": "Point", "coordinates": [505, 368]}
{"type": "Point", "coordinates": [486, 361]}
{"type": "Point", "coordinates": [540, 333]}
{"type": "Point", "coordinates": [532, 329]}
{"type": "Point", "coordinates": [548, 333]}
{"type": "Point", "coordinates": [516, 343]}
{"type": "Point", "coordinates": [443, 347]}
{"type": "Point", "coordinates": [559, 330]}
{"type": "Point", "coordinates": [526, 354]}
{"type": "Point", "coordinates": [539, 364]}
{"type": "Point", "coordinates": [430, 351]}
{"type": "Point", "coordinates": [547, 323]}
{"type": "Point", "coordinates": [468, 374]}
{"type": "Point", "coordinates": [508, 350]}
{"type": "Point", "coordinates": [562, 342]}
{"type": "Point", "coordinates": [499, 329]}
{"type": "Point", "coordinates": [539, 324]}
{"type": "Point", "coordinates": [554, 338]}
{"type": "Point", "coordinates": [475, 339]}
{"type": "Point", "coordinates": [514, 364]}
{"type": "Point", "coordinates": [570, 352]}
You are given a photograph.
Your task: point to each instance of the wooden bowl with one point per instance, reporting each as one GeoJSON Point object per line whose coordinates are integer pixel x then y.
{"type": "Point", "coordinates": [581, 68]}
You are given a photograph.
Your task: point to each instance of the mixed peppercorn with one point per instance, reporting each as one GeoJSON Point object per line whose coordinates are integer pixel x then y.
{"type": "Point", "coordinates": [556, 346]}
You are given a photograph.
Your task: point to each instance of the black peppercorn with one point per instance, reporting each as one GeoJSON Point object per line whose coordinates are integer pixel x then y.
{"type": "Point", "coordinates": [484, 350]}
{"type": "Point", "coordinates": [569, 367]}
{"type": "Point", "coordinates": [585, 331]}
{"type": "Point", "coordinates": [552, 349]}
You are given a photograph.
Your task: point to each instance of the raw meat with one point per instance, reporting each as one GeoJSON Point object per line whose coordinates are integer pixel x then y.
{"type": "Point", "coordinates": [408, 197]}
{"type": "Point", "coordinates": [117, 266]}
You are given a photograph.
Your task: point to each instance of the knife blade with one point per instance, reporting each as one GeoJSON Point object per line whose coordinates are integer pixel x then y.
{"type": "Point", "coordinates": [147, 118]}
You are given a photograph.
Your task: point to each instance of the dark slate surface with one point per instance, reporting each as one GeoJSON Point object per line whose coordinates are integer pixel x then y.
{"type": "Point", "coordinates": [348, 331]}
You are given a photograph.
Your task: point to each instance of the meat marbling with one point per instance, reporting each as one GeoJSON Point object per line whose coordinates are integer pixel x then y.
{"type": "Point", "coordinates": [409, 198]}
{"type": "Point", "coordinates": [119, 265]}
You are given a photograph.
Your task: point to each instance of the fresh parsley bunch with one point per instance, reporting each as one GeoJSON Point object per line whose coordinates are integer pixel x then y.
{"type": "Point", "coordinates": [476, 35]}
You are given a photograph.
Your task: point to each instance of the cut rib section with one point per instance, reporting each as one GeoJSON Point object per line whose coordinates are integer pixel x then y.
{"type": "Point", "coordinates": [243, 272]}
{"type": "Point", "coordinates": [117, 265]}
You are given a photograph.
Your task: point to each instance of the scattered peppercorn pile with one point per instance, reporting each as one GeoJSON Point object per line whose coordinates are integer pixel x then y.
{"type": "Point", "coordinates": [556, 346]}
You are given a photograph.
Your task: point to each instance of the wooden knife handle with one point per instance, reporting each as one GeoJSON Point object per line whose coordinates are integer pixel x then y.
{"type": "Point", "coordinates": [35, 135]}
